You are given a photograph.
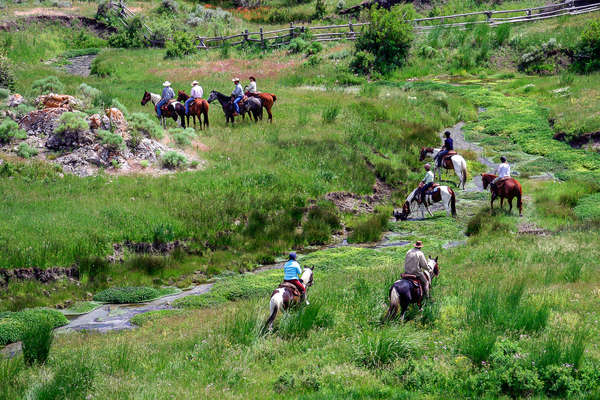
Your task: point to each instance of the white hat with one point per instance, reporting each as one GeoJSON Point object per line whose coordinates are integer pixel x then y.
{"type": "Point", "coordinates": [166, 83]}
{"type": "Point", "coordinates": [235, 80]}
{"type": "Point", "coordinates": [194, 83]}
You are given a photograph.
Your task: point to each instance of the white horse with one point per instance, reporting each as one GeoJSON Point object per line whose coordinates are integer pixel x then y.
{"type": "Point", "coordinates": [283, 297]}
{"type": "Point", "coordinates": [441, 193]}
{"type": "Point", "coordinates": [458, 162]}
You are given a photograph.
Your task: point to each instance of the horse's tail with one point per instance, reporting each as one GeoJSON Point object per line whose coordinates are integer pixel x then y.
{"type": "Point", "coordinates": [519, 198]}
{"type": "Point", "coordinates": [452, 202]}
{"type": "Point", "coordinates": [274, 308]}
{"type": "Point", "coordinates": [464, 173]}
{"type": "Point", "coordinates": [274, 97]}
{"type": "Point", "coordinates": [394, 305]}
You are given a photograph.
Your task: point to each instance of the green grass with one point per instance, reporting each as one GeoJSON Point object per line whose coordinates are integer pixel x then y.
{"type": "Point", "coordinates": [122, 295]}
{"type": "Point", "coordinates": [81, 307]}
{"type": "Point", "coordinates": [13, 325]}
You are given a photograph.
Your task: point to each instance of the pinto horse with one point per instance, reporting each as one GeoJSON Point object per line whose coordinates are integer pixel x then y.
{"type": "Point", "coordinates": [442, 193]}
{"type": "Point", "coordinates": [505, 189]}
{"type": "Point", "coordinates": [404, 293]}
{"type": "Point", "coordinates": [267, 100]}
{"type": "Point", "coordinates": [172, 109]}
{"type": "Point", "coordinates": [198, 107]}
{"type": "Point", "coordinates": [285, 297]}
{"type": "Point", "coordinates": [253, 107]}
{"type": "Point", "coordinates": [226, 104]}
{"type": "Point", "coordinates": [456, 162]}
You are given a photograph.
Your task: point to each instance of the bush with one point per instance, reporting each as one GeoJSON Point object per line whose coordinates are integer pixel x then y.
{"type": "Point", "coordinates": [181, 45]}
{"type": "Point", "coordinates": [377, 349]}
{"type": "Point", "coordinates": [4, 93]}
{"type": "Point", "coordinates": [297, 45]}
{"type": "Point", "coordinates": [10, 130]}
{"type": "Point", "coordinates": [314, 48]}
{"type": "Point", "coordinates": [369, 229]}
{"type": "Point", "coordinates": [330, 114]}
{"type": "Point", "coordinates": [168, 7]}
{"type": "Point", "coordinates": [501, 34]}
{"type": "Point", "coordinates": [131, 37]}
{"type": "Point", "coordinates": [123, 295]}
{"type": "Point", "coordinates": [71, 122]}
{"type": "Point", "coordinates": [173, 159]}
{"type": "Point", "coordinates": [183, 137]}
{"type": "Point", "coordinates": [26, 151]}
{"type": "Point", "coordinates": [50, 84]}
{"type": "Point", "coordinates": [14, 324]}
{"type": "Point", "coordinates": [362, 62]}
{"type": "Point", "coordinates": [587, 50]}
{"type": "Point", "coordinates": [142, 123]}
{"type": "Point", "coordinates": [102, 67]}
{"type": "Point", "coordinates": [89, 92]}
{"type": "Point", "coordinates": [320, 9]}
{"type": "Point", "coordinates": [112, 141]}
{"type": "Point", "coordinates": [388, 37]}
{"type": "Point", "coordinates": [72, 381]}
{"type": "Point", "coordinates": [115, 103]}
{"type": "Point", "coordinates": [7, 75]}
{"type": "Point", "coordinates": [37, 340]}
{"type": "Point", "coordinates": [588, 208]}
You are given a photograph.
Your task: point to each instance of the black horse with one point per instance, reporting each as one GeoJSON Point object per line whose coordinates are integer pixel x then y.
{"type": "Point", "coordinates": [404, 292]}
{"type": "Point", "coordinates": [226, 103]}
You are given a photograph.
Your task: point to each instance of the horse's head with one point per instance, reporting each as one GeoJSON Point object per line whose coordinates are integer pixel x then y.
{"type": "Point", "coordinates": [486, 179]}
{"type": "Point", "coordinates": [307, 276]}
{"type": "Point", "coordinates": [434, 266]}
{"type": "Point", "coordinates": [182, 96]}
{"type": "Point", "coordinates": [146, 98]}
{"type": "Point", "coordinates": [212, 97]}
{"type": "Point", "coordinates": [425, 152]}
{"type": "Point", "coordinates": [403, 215]}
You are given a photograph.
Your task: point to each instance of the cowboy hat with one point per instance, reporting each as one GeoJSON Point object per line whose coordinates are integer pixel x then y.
{"type": "Point", "coordinates": [253, 78]}
{"type": "Point", "coordinates": [194, 83]}
{"type": "Point", "coordinates": [418, 244]}
{"type": "Point", "coordinates": [235, 80]}
{"type": "Point", "coordinates": [166, 83]}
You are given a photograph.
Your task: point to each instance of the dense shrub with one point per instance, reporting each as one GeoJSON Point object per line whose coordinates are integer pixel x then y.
{"type": "Point", "coordinates": [71, 122]}
{"type": "Point", "coordinates": [102, 67]}
{"type": "Point", "coordinates": [369, 229]}
{"type": "Point", "coordinates": [50, 84]}
{"type": "Point", "coordinates": [587, 50]}
{"type": "Point", "coordinates": [14, 324]}
{"type": "Point", "coordinates": [173, 159]}
{"type": "Point", "coordinates": [362, 62]}
{"type": "Point", "coordinates": [202, 15]}
{"type": "Point", "coordinates": [89, 92]}
{"type": "Point", "coordinates": [10, 130]}
{"type": "Point", "coordinates": [181, 45]}
{"type": "Point", "coordinates": [122, 295]}
{"type": "Point", "coordinates": [110, 140]}
{"type": "Point", "coordinates": [146, 125]}
{"type": "Point", "coordinates": [168, 7]}
{"type": "Point", "coordinates": [37, 340]}
{"type": "Point", "coordinates": [131, 37]}
{"type": "Point", "coordinates": [388, 37]}
{"type": "Point", "coordinates": [7, 76]}
{"type": "Point", "coordinates": [26, 151]}
{"type": "Point", "coordinates": [320, 9]}
{"type": "Point", "coordinates": [183, 137]}
{"type": "Point", "coordinates": [542, 59]}
{"type": "Point", "coordinates": [4, 93]}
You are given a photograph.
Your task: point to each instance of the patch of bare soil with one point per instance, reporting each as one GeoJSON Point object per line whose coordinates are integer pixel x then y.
{"type": "Point", "coordinates": [349, 202]}
{"type": "Point", "coordinates": [58, 17]}
{"type": "Point", "coordinates": [529, 228]}
{"type": "Point", "coordinates": [44, 11]}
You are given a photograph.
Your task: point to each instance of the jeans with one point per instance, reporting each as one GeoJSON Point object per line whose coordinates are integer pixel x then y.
{"type": "Point", "coordinates": [236, 105]}
{"type": "Point", "coordinates": [161, 103]}
{"type": "Point", "coordinates": [187, 104]}
{"type": "Point", "coordinates": [440, 156]}
{"type": "Point", "coordinates": [423, 190]}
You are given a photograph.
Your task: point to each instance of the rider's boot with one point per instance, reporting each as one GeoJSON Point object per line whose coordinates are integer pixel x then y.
{"type": "Point", "coordinates": [303, 298]}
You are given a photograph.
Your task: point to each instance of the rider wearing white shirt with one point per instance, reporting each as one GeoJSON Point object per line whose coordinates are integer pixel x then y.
{"type": "Point", "coordinates": [426, 182]}
{"type": "Point", "coordinates": [196, 93]}
{"type": "Point", "coordinates": [251, 88]}
{"type": "Point", "coordinates": [503, 170]}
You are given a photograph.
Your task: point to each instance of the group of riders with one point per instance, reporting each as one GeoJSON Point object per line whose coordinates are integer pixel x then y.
{"type": "Point", "coordinates": [237, 95]}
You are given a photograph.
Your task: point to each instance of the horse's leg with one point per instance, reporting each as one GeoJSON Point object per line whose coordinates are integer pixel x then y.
{"type": "Point", "coordinates": [509, 200]}
{"type": "Point", "coordinates": [501, 202]}
{"type": "Point", "coordinates": [206, 119]}
{"type": "Point", "coordinates": [492, 202]}
{"type": "Point", "coordinates": [428, 210]}
{"type": "Point", "coordinates": [269, 113]}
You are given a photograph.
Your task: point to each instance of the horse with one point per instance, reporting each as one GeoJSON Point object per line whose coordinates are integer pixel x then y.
{"type": "Point", "coordinates": [283, 297]}
{"type": "Point", "coordinates": [226, 103]}
{"type": "Point", "coordinates": [253, 107]}
{"type": "Point", "coordinates": [457, 163]}
{"type": "Point", "coordinates": [198, 107]}
{"type": "Point", "coordinates": [267, 100]}
{"type": "Point", "coordinates": [505, 189]}
{"type": "Point", "coordinates": [169, 110]}
{"type": "Point", "coordinates": [404, 293]}
{"type": "Point", "coordinates": [442, 193]}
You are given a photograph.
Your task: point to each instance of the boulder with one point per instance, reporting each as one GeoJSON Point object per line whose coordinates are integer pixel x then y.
{"type": "Point", "coordinates": [41, 122]}
{"type": "Point", "coordinates": [95, 121]}
{"type": "Point", "coordinates": [15, 99]}
{"type": "Point", "coordinates": [54, 100]}
{"type": "Point", "coordinates": [70, 139]}
{"type": "Point", "coordinates": [116, 119]}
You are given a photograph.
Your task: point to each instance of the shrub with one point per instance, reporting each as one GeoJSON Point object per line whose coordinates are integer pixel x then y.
{"type": "Point", "coordinates": [71, 122]}
{"type": "Point", "coordinates": [168, 7]}
{"type": "Point", "coordinates": [377, 349]}
{"type": "Point", "coordinates": [123, 295]}
{"type": "Point", "coordinates": [145, 125]}
{"type": "Point", "coordinates": [95, 268]}
{"type": "Point", "coordinates": [131, 37]}
{"type": "Point", "coordinates": [115, 103]}
{"type": "Point", "coordinates": [369, 229]}
{"type": "Point", "coordinates": [183, 137]}
{"type": "Point", "coordinates": [72, 381]}
{"type": "Point", "coordinates": [587, 50]}
{"type": "Point", "coordinates": [89, 92]}
{"type": "Point", "coordinates": [330, 114]}
{"type": "Point", "coordinates": [341, 4]}
{"type": "Point", "coordinates": [299, 323]}
{"type": "Point", "coordinates": [181, 45]}
{"type": "Point", "coordinates": [7, 75]}
{"type": "Point", "coordinates": [320, 9]}
{"type": "Point", "coordinates": [102, 67]}
{"type": "Point", "coordinates": [4, 93]}
{"type": "Point", "coordinates": [173, 159]}
{"type": "Point", "coordinates": [297, 45]}
{"type": "Point", "coordinates": [112, 141]}
{"type": "Point", "coordinates": [26, 151]}
{"type": "Point", "coordinates": [314, 48]}
{"type": "Point", "coordinates": [10, 130]}
{"type": "Point", "coordinates": [362, 62]}
{"type": "Point", "coordinates": [388, 37]}
{"type": "Point", "coordinates": [50, 84]}
{"type": "Point", "coordinates": [37, 340]}
{"type": "Point", "coordinates": [501, 34]}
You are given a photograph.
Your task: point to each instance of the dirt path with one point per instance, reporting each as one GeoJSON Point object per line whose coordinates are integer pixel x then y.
{"type": "Point", "coordinates": [81, 65]}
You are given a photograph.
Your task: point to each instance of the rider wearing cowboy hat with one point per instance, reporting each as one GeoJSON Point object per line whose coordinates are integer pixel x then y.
{"type": "Point", "coordinates": [414, 264]}
{"type": "Point", "coordinates": [237, 94]}
{"type": "Point", "coordinates": [167, 94]}
{"type": "Point", "coordinates": [196, 93]}
{"type": "Point", "coordinates": [251, 88]}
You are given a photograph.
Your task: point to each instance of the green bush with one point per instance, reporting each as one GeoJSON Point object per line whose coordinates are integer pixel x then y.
{"type": "Point", "coordinates": [181, 45]}
{"type": "Point", "coordinates": [362, 62]}
{"type": "Point", "coordinates": [388, 37]}
{"type": "Point", "coordinates": [14, 324]}
{"type": "Point", "coordinates": [320, 9]}
{"type": "Point", "coordinates": [588, 208]}
{"type": "Point", "coordinates": [102, 67]}
{"type": "Point", "coordinates": [123, 295]}
{"type": "Point", "coordinates": [183, 137]}
{"type": "Point", "coordinates": [112, 141]}
{"type": "Point", "coordinates": [369, 229]}
{"type": "Point", "coordinates": [4, 93]}
{"type": "Point", "coordinates": [115, 103]}
{"type": "Point", "coordinates": [37, 340]}
{"type": "Point", "coordinates": [131, 37]}
{"type": "Point", "coordinates": [314, 48]}
{"type": "Point", "coordinates": [297, 45]}
{"type": "Point", "coordinates": [173, 159]}
{"type": "Point", "coordinates": [147, 126]}
{"type": "Point", "coordinates": [587, 50]}
{"type": "Point", "coordinates": [71, 122]}
{"type": "Point", "coordinates": [380, 348]}
{"type": "Point", "coordinates": [7, 75]}
{"type": "Point", "coordinates": [26, 151]}
{"type": "Point", "coordinates": [50, 84]}
{"type": "Point", "coordinates": [10, 130]}
{"type": "Point", "coordinates": [89, 92]}
{"type": "Point", "coordinates": [501, 34]}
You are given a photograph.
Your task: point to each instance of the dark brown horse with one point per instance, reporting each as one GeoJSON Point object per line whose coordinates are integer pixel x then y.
{"type": "Point", "coordinates": [404, 292]}
{"type": "Point", "coordinates": [267, 100]}
{"type": "Point", "coordinates": [172, 109]}
{"type": "Point", "coordinates": [286, 296]}
{"type": "Point", "coordinates": [198, 108]}
{"type": "Point", "coordinates": [505, 189]}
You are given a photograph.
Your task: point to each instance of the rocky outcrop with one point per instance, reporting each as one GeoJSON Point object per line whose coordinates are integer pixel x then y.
{"type": "Point", "coordinates": [14, 100]}
{"type": "Point", "coordinates": [38, 274]}
{"type": "Point", "coordinates": [116, 119]}
{"type": "Point", "coordinates": [54, 100]}
{"type": "Point", "coordinates": [41, 122]}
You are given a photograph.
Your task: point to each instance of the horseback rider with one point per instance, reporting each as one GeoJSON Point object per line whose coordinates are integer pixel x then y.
{"type": "Point", "coordinates": [426, 183]}
{"type": "Point", "coordinates": [196, 93]}
{"type": "Point", "coordinates": [237, 94]}
{"type": "Point", "coordinates": [166, 95]}
{"type": "Point", "coordinates": [503, 171]}
{"type": "Point", "coordinates": [292, 272]}
{"type": "Point", "coordinates": [251, 88]}
{"type": "Point", "coordinates": [414, 264]}
{"type": "Point", "coordinates": [448, 145]}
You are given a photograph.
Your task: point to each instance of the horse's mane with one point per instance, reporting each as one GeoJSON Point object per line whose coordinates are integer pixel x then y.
{"type": "Point", "coordinates": [411, 196]}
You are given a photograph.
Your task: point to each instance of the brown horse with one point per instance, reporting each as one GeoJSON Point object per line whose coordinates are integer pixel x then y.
{"type": "Point", "coordinates": [199, 107]}
{"type": "Point", "coordinates": [286, 296]}
{"type": "Point", "coordinates": [505, 189]}
{"type": "Point", "coordinates": [267, 100]}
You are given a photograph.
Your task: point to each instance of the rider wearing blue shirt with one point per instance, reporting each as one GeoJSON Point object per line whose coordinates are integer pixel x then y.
{"type": "Point", "coordinates": [238, 94]}
{"type": "Point", "coordinates": [448, 145]}
{"type": "Point", "coordinates": [292, 272]}
{"type": "Point", "coordinates": [167, 94]}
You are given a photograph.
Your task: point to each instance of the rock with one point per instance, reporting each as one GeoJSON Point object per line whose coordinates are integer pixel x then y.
{"type": "Point", "coordinates": [68, 303]}
{"type": "Point", "coordinates": [54, 100]}
{"type": "Point", "coordinates": [14, 100]}
{"type": "Point", "coordinates": [95, 121]}
{"type": "Point", "coordinates": [89, 296]}
{"type": "Point", "coordinates": [41, 122]}
{"type": "Point", "coordinates": [116, 119]}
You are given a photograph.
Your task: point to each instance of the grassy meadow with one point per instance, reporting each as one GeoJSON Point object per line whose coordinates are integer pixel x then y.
{"type": "Point", "coordinates": [512, 315]}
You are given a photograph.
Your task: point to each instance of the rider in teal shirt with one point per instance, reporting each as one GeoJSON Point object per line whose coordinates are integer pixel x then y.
{"type": "Point", "coordinates": [292, 272]}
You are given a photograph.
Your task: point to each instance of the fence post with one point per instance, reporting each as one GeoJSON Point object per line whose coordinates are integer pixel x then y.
{"type": "Point", "coordinates": [246, 35]}
{"type": "Point", "coordinates": [291, 31]}
{"type": "Point", "coordinates": [262, 37]}
{"type": "Point", "coordinates": [488, 15]}
{"type": "Point", "coordinates": [351, 28]}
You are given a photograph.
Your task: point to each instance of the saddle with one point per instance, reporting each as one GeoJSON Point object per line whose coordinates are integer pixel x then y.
{"type": "Point", "coordinates": [169, 103]}
{"type": "Point", "coordinates": [292, 287]}
{"type": "Point", "coordinates": [415, 282]}
{"type": "Point", "coordinates": [447, 159]}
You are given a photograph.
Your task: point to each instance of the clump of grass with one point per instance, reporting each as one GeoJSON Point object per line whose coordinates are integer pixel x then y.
{"type": "Point", "coordinates": [10, 384]}
{"type": "Point", "coordinates": [37, 340]}
{"type": "Point", "coordinates": [149, 317]}
{"type": "Point", "coordinates": [183, 137]}
{"type": "Point", "coordinates": [26, 151]}
{"type": "Point", "coordinates": [95, 268]}
{"type": "Point", "coordinates": [9, 130]}
{"type": "Point", "coordinates": [560, 349]}
{"type": "Point", "coordinates": [588, 208]}
{"type": "Point", "coordinates": [173, 160]}
{"type": "Point", "coordinates": [48, 85]}
{"type": "Point", "coordinates": [151, 265]}
{"type": "Point", "coordinates": [299, 322]}
{"type": "Point", "coordinates": [123, 295]}
{"type": "Point", "coordinates": [110, 140]}
{"type": "Point", "coordinates": [244, 328]}
{"type": "Point", "coordinates": [330, 114]}
{"type": "Point", "coordinates": [478, 344]}
{"type": "Point", "coordinates": [380, 348]}
{"type": "Point", "coordinates": [72, 380]}
{"type": "Point", "coordinates": [369, 229]}
{"type": "Point", "coordinates": [146, 125]}
{"type": "Point", "coordinates": [14, 324]}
